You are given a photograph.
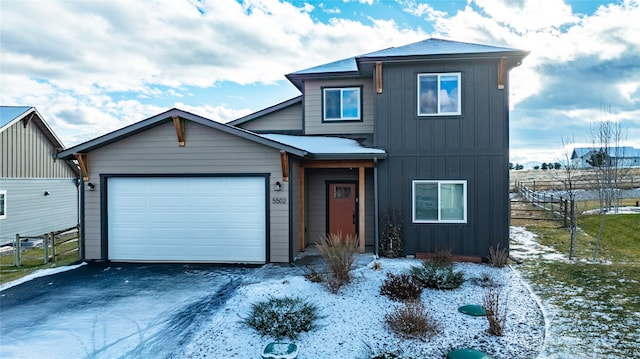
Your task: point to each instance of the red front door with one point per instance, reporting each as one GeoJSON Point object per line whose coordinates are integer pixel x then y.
{"type": "Point", "coordinates": [342, 208]}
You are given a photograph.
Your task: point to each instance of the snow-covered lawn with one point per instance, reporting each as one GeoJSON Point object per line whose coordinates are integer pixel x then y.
{"type": "Point", "coordinates": [353, 323]}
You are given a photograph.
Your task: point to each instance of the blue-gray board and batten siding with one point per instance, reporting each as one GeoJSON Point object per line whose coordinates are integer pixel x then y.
{"type": "Point", "coordinates": [473, 146]}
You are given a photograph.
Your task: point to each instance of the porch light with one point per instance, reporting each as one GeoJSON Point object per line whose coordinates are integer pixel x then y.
{"type": "Point", "coordinates": [278, 186]}
{"type": "Point", "coordinates": [91, 186]}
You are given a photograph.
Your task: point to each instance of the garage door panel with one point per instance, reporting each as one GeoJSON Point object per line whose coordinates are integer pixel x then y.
{"type": "Point", "coordinates": [212, 219]}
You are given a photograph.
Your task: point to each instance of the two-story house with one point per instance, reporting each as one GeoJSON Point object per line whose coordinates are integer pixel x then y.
{"type": "Point", "coordinates": [421, 129]}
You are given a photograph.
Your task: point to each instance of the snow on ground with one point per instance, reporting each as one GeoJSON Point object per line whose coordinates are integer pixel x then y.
{"type": "Point", "coordinates": [353, 323]}
{"type": "Point", "coordinates": [619, 210]}
{"type": "Point", "coordinates": [524, 246]}
{"type": "Point", "coordinates": [38, 274]}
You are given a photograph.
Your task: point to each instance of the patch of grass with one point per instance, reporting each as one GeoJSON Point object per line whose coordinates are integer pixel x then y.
{"type": "Point", "coordinates": [595, 204]}
{"type": "Point", "coordinates": [620, 235]}
{"type": "Point", "coordinates": [33, 260]}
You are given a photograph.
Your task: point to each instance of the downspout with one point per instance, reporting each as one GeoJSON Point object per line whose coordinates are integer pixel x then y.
{"type": "Point", "coordinates": [81, 217]}
{"type": "Point", "coordinates": [375, 206]}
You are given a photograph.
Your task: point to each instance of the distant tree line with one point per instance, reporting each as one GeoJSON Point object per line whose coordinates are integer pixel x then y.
{"type": "Point", "coordinates": [543, 166]}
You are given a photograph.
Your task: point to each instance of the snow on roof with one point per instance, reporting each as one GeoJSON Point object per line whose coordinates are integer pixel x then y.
{"type": "Point", "coordinates": [323, 144]}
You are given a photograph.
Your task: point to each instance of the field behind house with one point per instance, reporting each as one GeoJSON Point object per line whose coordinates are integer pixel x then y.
{"type": "Point", "coordinates": [593, 306]}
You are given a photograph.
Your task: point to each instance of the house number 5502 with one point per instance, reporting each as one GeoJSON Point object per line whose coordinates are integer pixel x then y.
{"type": "Point", "coordinates": [279, 200]}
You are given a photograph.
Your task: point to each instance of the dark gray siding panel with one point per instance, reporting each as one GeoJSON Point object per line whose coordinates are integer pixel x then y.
{"type": "Point", "coordinates": [473, 147]}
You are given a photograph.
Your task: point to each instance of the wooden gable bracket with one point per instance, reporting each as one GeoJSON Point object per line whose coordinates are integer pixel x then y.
{"type": "Point", "coordinates": [284, 163]}
{"type": "Point", "coordinates": [25, 121]}
{"type": "Point", "coordinates": [179, 125]}
{"type": "Point", "coordinates": [378, 77]}
{"type": "Point", "coordinates": [502, 71]}
{"type": "Point", "coordinates": [83, 162]}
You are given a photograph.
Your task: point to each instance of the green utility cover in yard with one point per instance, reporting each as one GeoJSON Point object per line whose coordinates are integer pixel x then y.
{"type": "Point", "coordinates": [280, 351]}
{"type": "Point", "coordinates": [467, 354]}
{"type": "Point", "coordinates": [473, 309]}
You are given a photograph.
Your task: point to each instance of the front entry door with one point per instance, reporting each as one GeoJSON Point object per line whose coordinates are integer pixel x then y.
{"type": "Point", "coordinates": [342, 208]}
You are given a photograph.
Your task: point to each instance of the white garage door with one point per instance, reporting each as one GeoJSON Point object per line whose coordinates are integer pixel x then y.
{"type": "Point", "coordinates": [208, 219]}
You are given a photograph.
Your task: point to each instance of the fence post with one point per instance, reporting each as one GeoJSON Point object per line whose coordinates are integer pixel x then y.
{"type": "Point", "coordinates": [53, 247]}
{"type": "Point", "coordinates": [45, 247]}
{"type": "Point", "coordinates": [16, 250]}
{"type": "Point", "coordinates": [534, 186]}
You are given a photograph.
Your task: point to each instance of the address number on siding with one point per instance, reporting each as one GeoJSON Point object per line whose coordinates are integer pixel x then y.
{"type": "Point", "coordinates": [279, 200]}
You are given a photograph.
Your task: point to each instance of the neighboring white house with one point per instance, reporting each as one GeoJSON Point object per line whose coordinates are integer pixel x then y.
{"type": "Point", "coordinates": [624, 156]}
{"type": "Point", "coordinates": [38, 192]}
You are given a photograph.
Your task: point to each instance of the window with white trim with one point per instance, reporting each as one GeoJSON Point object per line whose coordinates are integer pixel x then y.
{"type": "Point", "coordinates": [341, 104]}
{"type": "Point", "coordinates": [3, 204]}
{"type": "Point", "coordinates": [439, 94]}
{"type": "Point", "coordinates": [443, 201]}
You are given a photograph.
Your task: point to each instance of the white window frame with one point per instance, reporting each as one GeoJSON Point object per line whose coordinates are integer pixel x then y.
{"type": "Point", "coordinates": [438, 82]}
{"type": "Point", "coordinates": [341, 118]}
{"type": "Point", "coordinates": [3, 194]}
{"type": "Point", "coordinates": [439, 209]}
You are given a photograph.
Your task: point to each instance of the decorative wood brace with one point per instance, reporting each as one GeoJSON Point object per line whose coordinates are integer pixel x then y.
{"type": "Point", "coordinates": [378, 77]}
{"type": "Point", "coordinates": [179, 125]}
{"type": "Point", "coordinates": [83, 162]}
{"type": "Point", "coordinates": [284, 163]}
{"type": "Point", "coordinates": [502, 71]}
{"type": "Point", "coordinates": [26, 120]}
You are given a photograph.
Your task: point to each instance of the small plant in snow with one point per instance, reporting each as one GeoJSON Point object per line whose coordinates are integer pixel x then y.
{"type": "Point", "coordinates": [496, 310]}
{"type": "Point", "coordinates": [498, 256]}
{"type": "Point", "coordinates": [282, 317]}
{"type": "Point", "coordinates": [432, 275]}
{"type": "Point", "coordinates": [337, 253]}
{"type": "Point", "coordinates": [412, 321]}
{"type": "Point", "coordinates": [401, 287]}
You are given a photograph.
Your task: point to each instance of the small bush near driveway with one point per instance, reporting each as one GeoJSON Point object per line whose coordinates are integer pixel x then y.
{"type": "Point", "coordinates": [283, 317]}
{"type": "Point", "coordinates": [412, 320]}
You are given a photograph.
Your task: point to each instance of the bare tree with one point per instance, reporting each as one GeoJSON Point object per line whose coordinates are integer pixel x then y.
{"type": "Point", "coordinates": [567, 174]}
{"type": "Point", "coordinates": [607, 136]}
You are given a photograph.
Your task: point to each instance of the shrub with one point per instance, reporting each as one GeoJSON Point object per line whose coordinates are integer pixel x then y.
{"type": "Point", "coordinates": [485, 280]}
{"type": "Point", "coordinates": [432, 275]}
{"type": "Point", "coordinates": [498, 256]}
{"type": "Point", "coordinates": [412, 321]}
{"type": "Point", "coordinates": [314, 276]}
{"type": "Point", "coordinates": [496, 311]}
{"type": "Point", "coordinates": [391, 233]}
{"type": "Point", "coordinates": [401, 287]}
{"type": "Point", "coordinates": [338, 254]}
{"type": "Point", "coordinates": [442, 257]}
{"type": "Point", "coordinates": [282, 317]}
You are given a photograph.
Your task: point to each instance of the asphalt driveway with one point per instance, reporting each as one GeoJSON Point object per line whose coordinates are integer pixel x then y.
{"type": "Point", "coordinates": [118, 310]}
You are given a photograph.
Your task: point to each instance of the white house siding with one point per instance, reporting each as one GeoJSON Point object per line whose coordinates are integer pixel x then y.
{"type": "Point", "coordinates": [288, 119]}
{"type": "Point", "coordinates": [207, 151]}
{"type": "Point", "coordinates": [316, 201]}
{"type": "Point", "coordinates": [30, 212]}
{"type": "Point", "coordinates": [313, 109]}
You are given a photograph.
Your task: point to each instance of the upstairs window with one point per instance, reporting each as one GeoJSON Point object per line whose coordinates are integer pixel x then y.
{"type": "Point", "coordinates": [3, 204]}
{"type": "Point", "coordinates": [439, 94]}
{"type": "Point", "coordinates": [439, 201]}
{"type": "Point", "coordinates": [341, 104]}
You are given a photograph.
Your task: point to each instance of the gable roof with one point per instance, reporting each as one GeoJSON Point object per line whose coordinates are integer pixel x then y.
{"type": "Point", "coordinates": [162, 118]}
{"type": "Point", "coordinates": [266, 111]}
{"type": "Point", "coordinates": [429, 49]}
{"type": "Point", "coordinates": [9, 115]}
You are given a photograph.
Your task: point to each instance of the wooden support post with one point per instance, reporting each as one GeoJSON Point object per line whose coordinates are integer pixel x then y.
{"type": "Point", "coordinates": [361, 209]}
{"type": "Point", "coordinates": [179, 125]}
{"type": "Point", "coordinates": [502, 71]}
{"type": "Point", "coordinates": [83, 162]}
{"type": "Point", "coordinates": [284, 164]}
{"type": "Point", "coordinates": [301, 219]}
{"type": "Point", "coordinates": [378, 77]}
{"type": "Point", "coordinates": [16, 249]}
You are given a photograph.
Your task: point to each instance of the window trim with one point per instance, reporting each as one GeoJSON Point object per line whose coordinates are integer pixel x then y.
{"type": "Point", "coordinates": [342, 119]}
{"type": "Point", "coordinates": [438, 76]}
{"type": "Point", "coordinates": [3, 213]}
{"type": "Point", "coordinates": [439, 183]}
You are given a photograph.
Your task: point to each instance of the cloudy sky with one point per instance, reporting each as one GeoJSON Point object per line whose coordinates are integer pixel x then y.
{"type": "Point", "coordinates": [91, 67]}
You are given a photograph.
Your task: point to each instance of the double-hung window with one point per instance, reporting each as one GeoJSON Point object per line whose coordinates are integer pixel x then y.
{"type": "Point", "coordinates": [442, 201]}
{"type": "Point", "coordinates": [439, 94]}
{"type": "Point", "coordinates": [3, 204]}
{"type": "Point", "coordinates": [341, 104]}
